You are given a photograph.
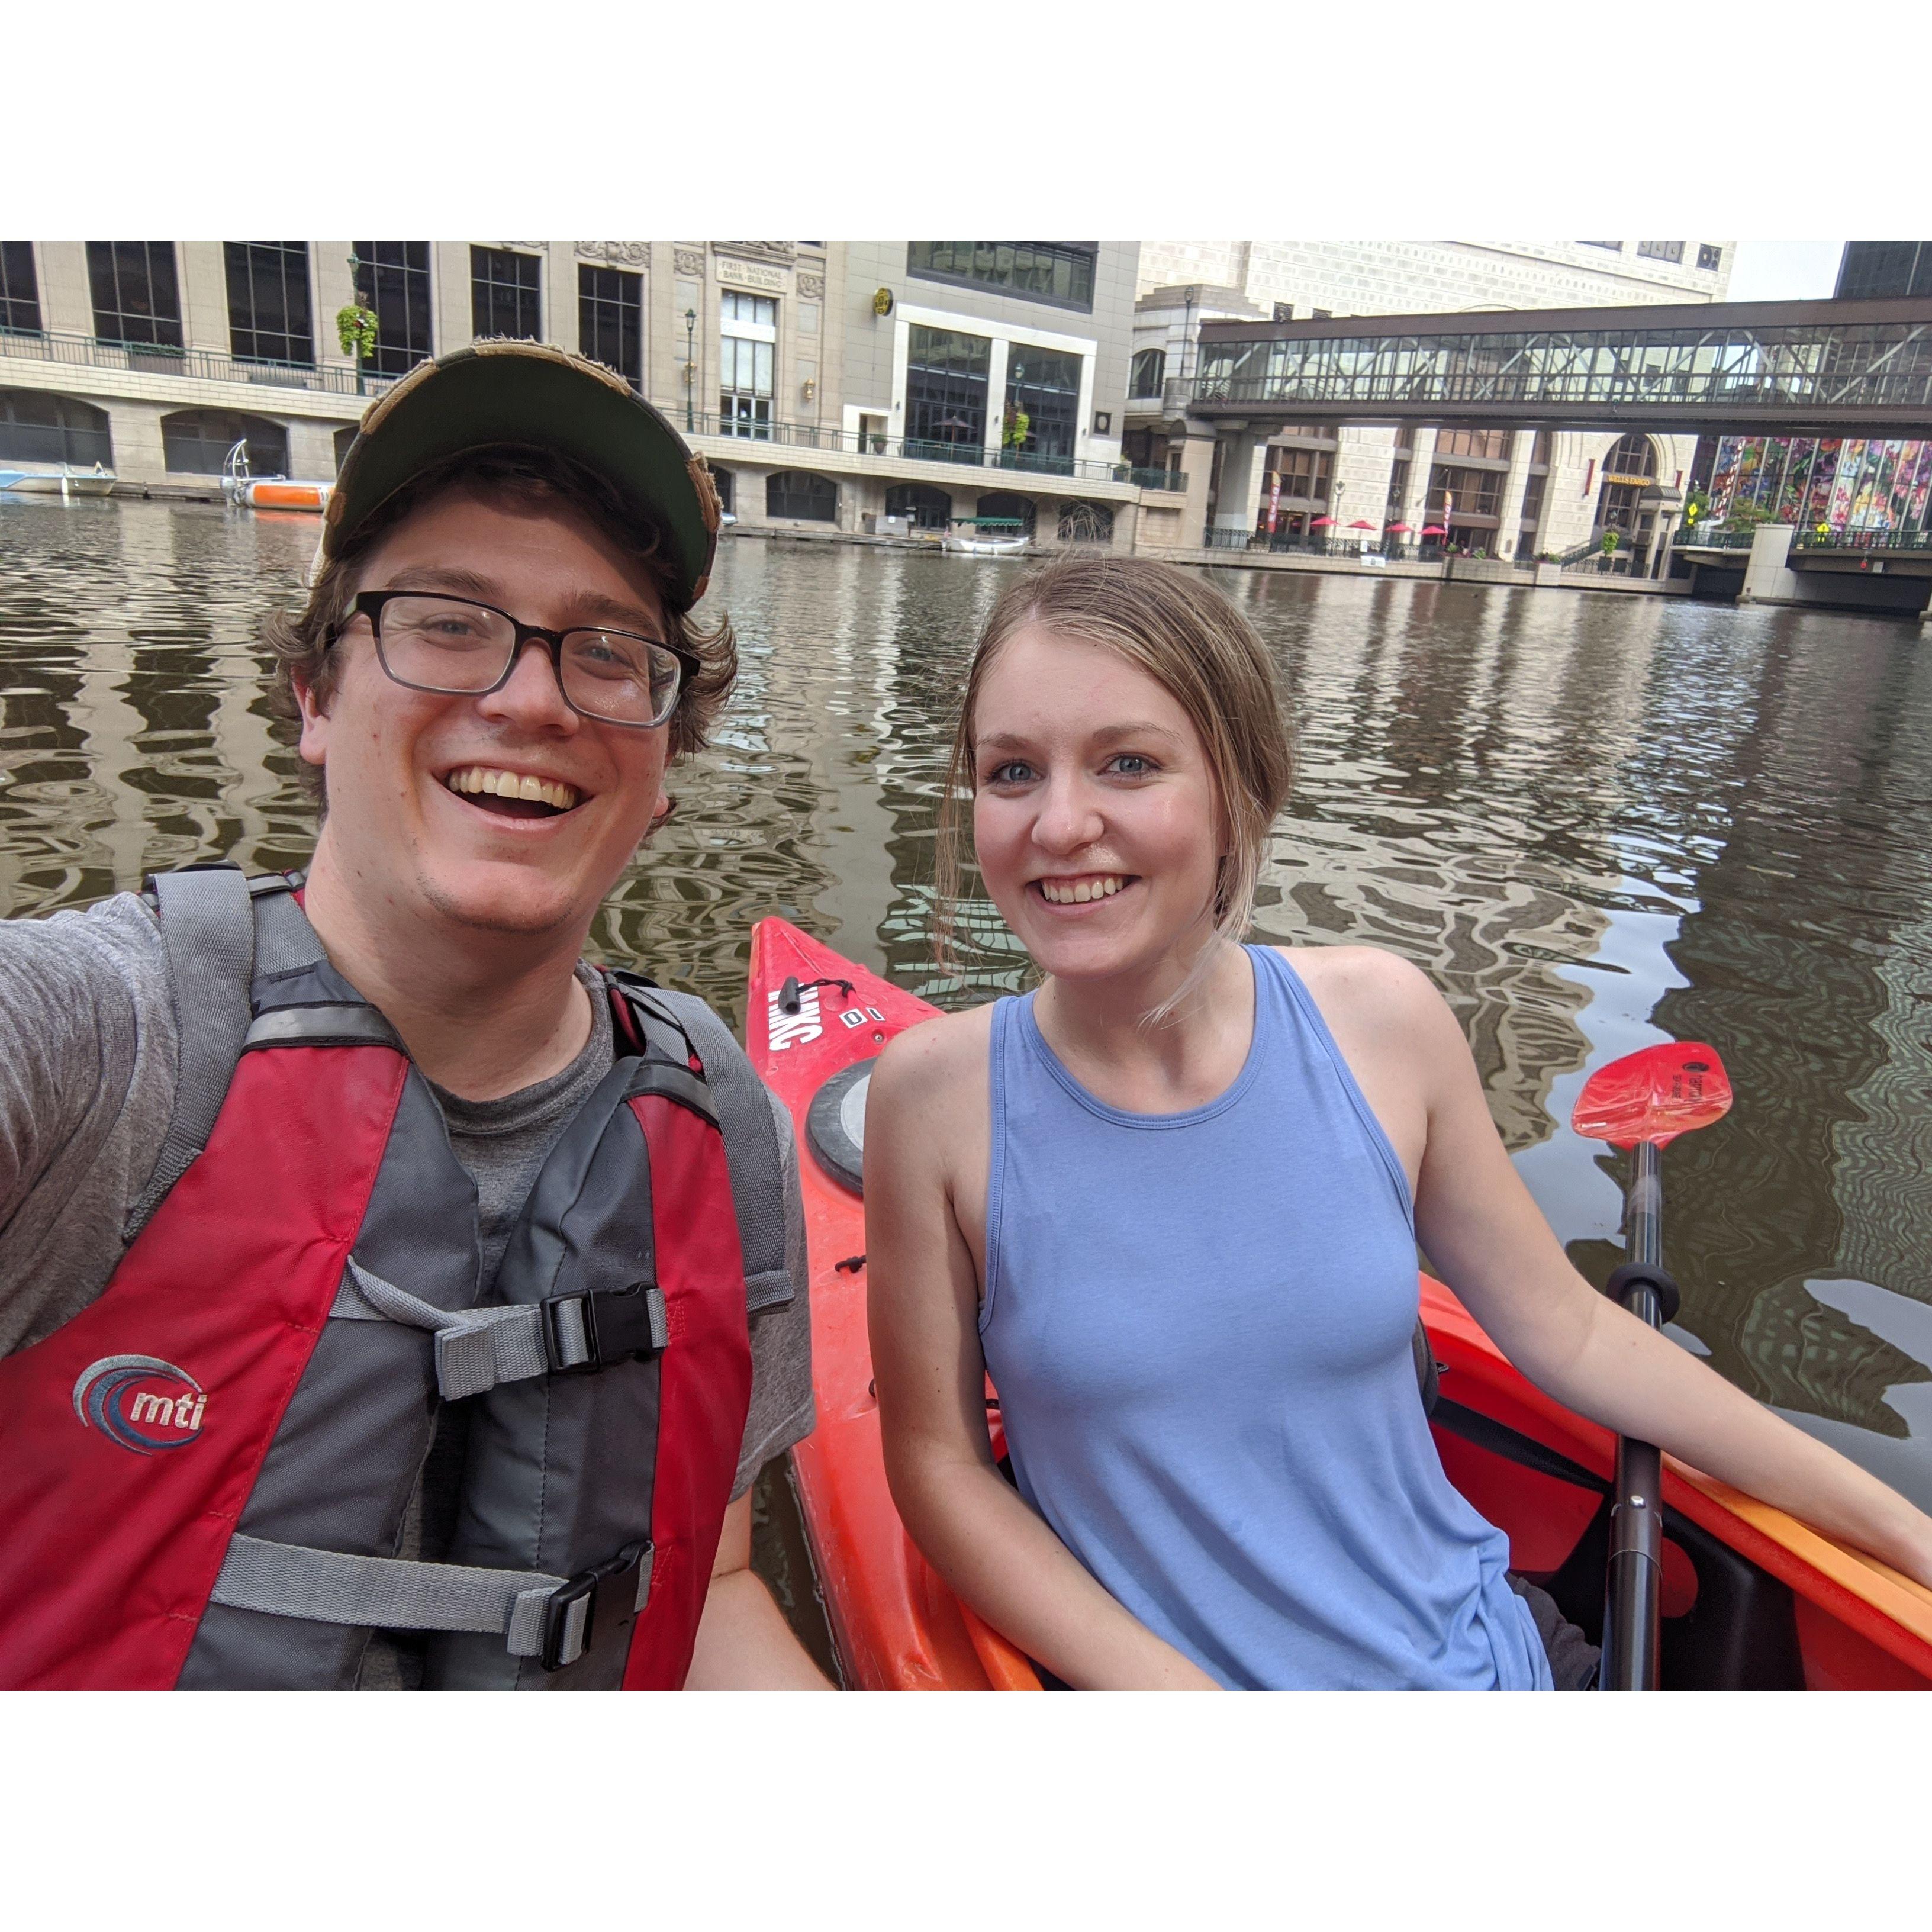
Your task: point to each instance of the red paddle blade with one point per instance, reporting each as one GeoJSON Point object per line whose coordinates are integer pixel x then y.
{"type": "Point", "coordinates": [1654, 1095]}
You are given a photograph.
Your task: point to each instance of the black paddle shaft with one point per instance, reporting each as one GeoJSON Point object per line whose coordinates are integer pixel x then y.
{"type": "Point", "coordinates": [1633, 1596]}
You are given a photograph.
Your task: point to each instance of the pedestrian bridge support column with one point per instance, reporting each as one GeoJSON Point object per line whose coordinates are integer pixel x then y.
{"type": "Point", "coordinates": [1197, 464]}
{"type": "Point", "coordinates": [1768, 577]}
{"type": "Point", "coordinates": [1238, 496]}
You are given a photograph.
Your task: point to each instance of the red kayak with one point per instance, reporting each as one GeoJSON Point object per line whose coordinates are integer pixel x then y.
{"type": "Point", "coordinates": [1752, 1598]}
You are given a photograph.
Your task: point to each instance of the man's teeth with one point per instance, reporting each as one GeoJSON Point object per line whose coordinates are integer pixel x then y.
{"type": "Point", "coordinates": [1081, 891]}
{"type": "Point", "coordinates": [513, 784]}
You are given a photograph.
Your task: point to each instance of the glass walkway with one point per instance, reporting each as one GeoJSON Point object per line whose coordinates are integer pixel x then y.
{"type": "Point", "coordinates": [1810, 367]}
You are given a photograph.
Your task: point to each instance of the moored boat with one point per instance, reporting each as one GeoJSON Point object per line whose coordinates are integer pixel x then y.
{"type": "Point", "coordinates": [1752, 1599]}
{"type": "Point", "coordinates": [64, 482]}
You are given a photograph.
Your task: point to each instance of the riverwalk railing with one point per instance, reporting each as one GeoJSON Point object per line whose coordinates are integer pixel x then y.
{"type": "Point", "coordinates": [203, 365]}
{"type": "Point", "coordinates": [1908, 538]}
{"type": "Point", "coordinates": [919, 449]}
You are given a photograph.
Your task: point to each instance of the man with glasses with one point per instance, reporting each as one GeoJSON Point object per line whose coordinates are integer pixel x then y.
{"type": "Point", "coordinates": [387, 1297]}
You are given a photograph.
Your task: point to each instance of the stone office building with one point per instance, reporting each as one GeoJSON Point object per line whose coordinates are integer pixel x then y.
{"type": "Point", "coordinates": [832, 385]}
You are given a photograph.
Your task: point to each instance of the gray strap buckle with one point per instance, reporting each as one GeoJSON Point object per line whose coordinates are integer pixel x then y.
{"type": "Point", "coordinates": [600, 1326]}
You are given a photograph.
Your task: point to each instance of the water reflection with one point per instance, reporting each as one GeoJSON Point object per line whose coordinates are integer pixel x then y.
{"type": "Point", "coordinates": [1595, 821]}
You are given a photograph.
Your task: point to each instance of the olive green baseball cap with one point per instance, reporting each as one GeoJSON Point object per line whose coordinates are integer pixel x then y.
{"type": "Point", "coordinates": [531, 395]}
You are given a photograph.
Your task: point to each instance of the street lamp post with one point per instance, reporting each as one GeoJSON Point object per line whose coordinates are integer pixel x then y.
{"type": "Point", "coordinates": [690, 372]}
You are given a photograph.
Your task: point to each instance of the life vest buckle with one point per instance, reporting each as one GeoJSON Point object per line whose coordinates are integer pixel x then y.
{"type": "Point", "coordinates": [572, 1615]}
{"type": "Point", "coordinates": [596, 1327]}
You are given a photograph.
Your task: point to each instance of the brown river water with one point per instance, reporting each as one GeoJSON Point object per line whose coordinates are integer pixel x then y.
{"type": "Point", "coordinates": [1596, 821]}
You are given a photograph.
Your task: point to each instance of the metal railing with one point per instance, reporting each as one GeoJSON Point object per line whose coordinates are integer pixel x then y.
{"type": "Point", "coordinates": [1857, 542]}
{"type": "Point", "coordinates": [203, 365]}
{"type": "Point", "coordinates": [917, 449]}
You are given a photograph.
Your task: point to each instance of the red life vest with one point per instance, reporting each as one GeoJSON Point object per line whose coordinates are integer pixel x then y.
{"type": "Point", "coordinates": [203, 1476]}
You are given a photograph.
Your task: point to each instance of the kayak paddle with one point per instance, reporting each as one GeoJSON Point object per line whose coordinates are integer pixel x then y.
{"type": "Point", "coordinates": [1644, 1101]}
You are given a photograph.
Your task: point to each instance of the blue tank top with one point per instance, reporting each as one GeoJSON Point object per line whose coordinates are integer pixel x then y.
{"type": "Point", "coordinates": [1199, 1325]}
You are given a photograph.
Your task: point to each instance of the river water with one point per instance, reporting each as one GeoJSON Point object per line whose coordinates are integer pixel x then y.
{"type": "Point", "coordinates": [1596, 820]}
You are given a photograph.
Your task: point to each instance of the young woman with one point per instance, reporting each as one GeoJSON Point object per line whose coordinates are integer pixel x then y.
{"type": "Point", "coordinates": [1172, 1201]}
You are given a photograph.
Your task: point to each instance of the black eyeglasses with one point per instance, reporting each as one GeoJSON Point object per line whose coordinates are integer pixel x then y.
{"type": "Point", "coordinates": [456, 647]}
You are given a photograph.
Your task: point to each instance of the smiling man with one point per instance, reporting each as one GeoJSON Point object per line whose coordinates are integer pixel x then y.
{"type": "Point", "coordinates": [440, 1342]}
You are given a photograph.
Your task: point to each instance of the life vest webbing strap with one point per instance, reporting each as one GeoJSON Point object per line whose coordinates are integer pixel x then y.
{"type": "Point", "coordinates": [208, 931]}
{"type": "Point", "coordinates": [535, 1614]}
{"type": "Point", "coordinates": [745, 1114]}
{"type": "Point", "coordinates": [476, 1348]}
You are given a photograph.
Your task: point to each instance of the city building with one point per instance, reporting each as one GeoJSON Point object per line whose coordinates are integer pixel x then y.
{"type": "Point", "coordinates": [832, 385]}
{"type": "Point", "coordinates": [1508, 494]}
{"type": "Point", "coordinates": [1876, 268]}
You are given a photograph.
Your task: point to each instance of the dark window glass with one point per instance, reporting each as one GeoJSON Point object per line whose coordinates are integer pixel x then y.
{"type": "Point", "coordinates": [947, 377]}
{"type": "Point", "coordinates": [1633, 456]}
{"type": "Point", "coordinates": [1086, 523]}
{"type": "Point", "coordinates": [37, 427]}
{"type": "Point", "coordinates": [1322, 314]}
{"type": "Point", "coordinates": [1532, 503]}
{"type": "Point", "coordinates": [1710, 255]}
{"type": "Point", "coordinates": [930, 509]}
{"type": "Point", "coordinates": [20, 288]}
{"type": "Point", "coordinates": [392, 278]}
{"type": "Point", "coordinates": [1149, 372]}
{"type": "Point", "coordinates": [1868, 270]}
{"type": "Point", "coordinates": [268, 309]}
{"type": "Point", "coordinates": [196, 442]}
{"type": "Point", "coordinates": [1044, 386]}
{"type": "Point", "coordinates": [1059, 272]}
{"type": "Point", "coordinates": [610, 320]}
{"type": "Point", "coordinates": [725, 482]}
{"type": "Point", "coordinates": [1304, 474]}
{"type": "Point", "coordinates": [136, 299]}
{"type": "Point", "coordinates": [1662, 251]}
{"type": "Point", "coordinates": [1006, 506]}
{"type": "Point", "coordinates": [802, 494]}
{"type": "Point", "coordinates": [343, 438]}
{"type": "Point", "coordinates": [1478, 494]}
{"type": "Point", "coordinates": [1284, 311]}
{"type": "Point", "coordinates": [505, 294]}
{"type": "Point", "coordinates": [1617, 245]}
{"type": "Point", "coordinates": [1492, 443]}
{"type": "Point", "coordinates": [1540, 450]}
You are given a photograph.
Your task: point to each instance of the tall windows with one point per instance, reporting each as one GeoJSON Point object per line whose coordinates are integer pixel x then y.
{"type": "Point", "coordinates": [1629, 471]}
{"type": "Point", "coordinates": [37, 428]}
{"type": "Point", "coordinates": [1043, 398]}
{"type": "Point", "coordinates": [1661, 251]}
{"type": "Point", "coordinates": [505, 294]}
{"type": "Point", "coordinates": [747, 348]}
{"type": "Point", "coordinates": [392, 279]}
{"type": "Point", "coordinates": [268, 308]}
{"type": "Point", "coordinates": [947, 377]}
{"type": "Point", "coordinates": [196, 442]}
{"type": "Point", "coordinates": [19, 289]}
{"type": "Point", "coordinates": [928, 508]}
{"type": "Point", "coordinates": [1060, 273]}
{"type": "Point", "coordinates": [1305, 474]}
{"type": "Point", "coordinates": [136, 299]}
{"type": "Point", "coordinates": [1148, 373]}
{"type": "Point", "coordinates": [610, 320]}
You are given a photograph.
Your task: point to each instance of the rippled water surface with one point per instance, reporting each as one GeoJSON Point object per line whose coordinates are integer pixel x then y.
{"type": "Point", "coordinates": [1596, 821]}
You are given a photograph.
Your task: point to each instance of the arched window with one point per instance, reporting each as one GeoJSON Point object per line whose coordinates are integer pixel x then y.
{"type": "Point", "coordinates": [1003, 504]}
{"type": "Point", "coordinates": [930, 509]}
{"type": "Point", "coordinates": [37, 428]}
{"type": "Point", "coordinates": [1634, 456]}
{"type": "Point", "coordinates": [802, 494]}
{"type": "Point", "coordinates": [1086, 523]}
{"type": "Point", "coordinates": [195, 442]}
{"type": "Point", "coordinates": [1149, 372]}
{"type": "Point", "coordinates": [724, 482]}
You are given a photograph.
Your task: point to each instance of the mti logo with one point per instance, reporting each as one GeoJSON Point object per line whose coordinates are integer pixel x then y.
{"type": "Point", "coordinates": [141, 1403]}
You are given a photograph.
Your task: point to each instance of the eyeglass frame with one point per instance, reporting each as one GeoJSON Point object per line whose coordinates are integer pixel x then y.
{"type": "Point", "coordinates": [369, 604]}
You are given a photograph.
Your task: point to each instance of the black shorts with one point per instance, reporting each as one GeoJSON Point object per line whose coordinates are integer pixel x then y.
{"type": "Point", "coordinates": [1573, 1658]}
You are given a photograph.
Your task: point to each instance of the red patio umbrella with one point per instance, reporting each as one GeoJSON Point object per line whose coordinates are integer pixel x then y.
{"type": "Point", "coordinates": [1361, 523]}
{"type": "Point", "coordinates": [1321, 523]}
{"type": "Point", "coordinates": [1399, 529]}
{"type": "Point", "coordinates": [1434, 530]}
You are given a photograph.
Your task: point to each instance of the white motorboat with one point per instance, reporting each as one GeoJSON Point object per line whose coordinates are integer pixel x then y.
{"type": "Point", "coordinates": [65, 482]}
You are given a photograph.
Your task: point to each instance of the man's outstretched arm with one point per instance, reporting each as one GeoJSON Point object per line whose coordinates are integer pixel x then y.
{"type": "Point", "coordinates": [744, 1643]}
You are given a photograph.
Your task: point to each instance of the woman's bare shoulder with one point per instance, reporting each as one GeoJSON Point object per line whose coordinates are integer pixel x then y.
{"type": "Point", "coordinates": [928, 1061]}
{"type": "Point", "coordinates": [1366, 986]}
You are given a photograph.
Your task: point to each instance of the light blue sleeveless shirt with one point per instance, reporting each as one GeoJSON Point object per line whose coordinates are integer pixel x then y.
{"type": "Point", "coordinates": [1199, 1326]}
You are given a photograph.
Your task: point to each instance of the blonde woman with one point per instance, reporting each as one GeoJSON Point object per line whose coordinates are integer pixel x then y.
{"type": "Point", "coordinates": [1172, 1201]}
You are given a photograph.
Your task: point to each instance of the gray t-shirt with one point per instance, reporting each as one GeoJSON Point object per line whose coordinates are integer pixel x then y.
{"type": "Point", "coordinates": [88, 1055]}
